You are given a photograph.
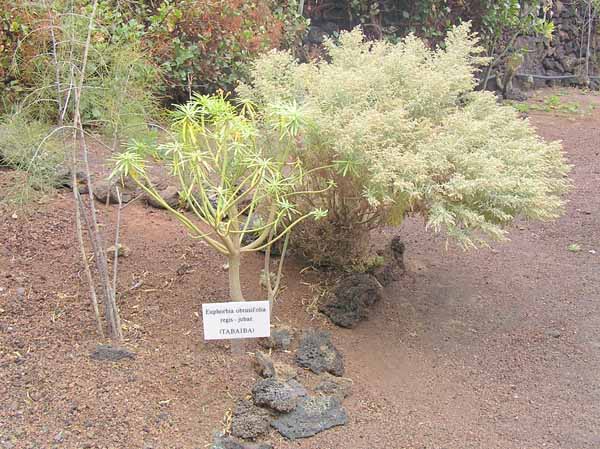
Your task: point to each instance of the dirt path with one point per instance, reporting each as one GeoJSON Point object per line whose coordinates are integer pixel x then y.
{"type": "Point", "coordinates": [494, 349]}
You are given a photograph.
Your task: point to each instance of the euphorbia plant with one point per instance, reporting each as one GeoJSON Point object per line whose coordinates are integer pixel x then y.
{"type": "Point", "coordinates": [235, 173]}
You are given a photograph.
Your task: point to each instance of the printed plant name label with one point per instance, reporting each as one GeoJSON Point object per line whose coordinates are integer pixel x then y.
{"type": "Point", "coordinates": [227, 320]}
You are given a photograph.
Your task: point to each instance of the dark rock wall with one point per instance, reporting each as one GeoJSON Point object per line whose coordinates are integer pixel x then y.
{"type": "Point", "coordinates": [564, 56]}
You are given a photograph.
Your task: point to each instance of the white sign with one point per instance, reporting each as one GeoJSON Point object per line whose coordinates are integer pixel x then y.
{"type": "Point", "coordinates": [227, 320]}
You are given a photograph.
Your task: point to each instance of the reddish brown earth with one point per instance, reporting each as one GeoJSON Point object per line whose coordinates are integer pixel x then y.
{"type": "Point", "coordinates": [498, 348]}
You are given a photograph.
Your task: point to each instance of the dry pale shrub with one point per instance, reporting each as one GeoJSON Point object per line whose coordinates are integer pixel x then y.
{"type": "Point", "coordinates": [403, 132]}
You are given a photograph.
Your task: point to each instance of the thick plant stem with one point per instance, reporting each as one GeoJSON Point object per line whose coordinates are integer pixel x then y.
{"type": "Point", "coordinates": [235, 287]}
{"type": "Point", "coordinates": [235, 294]}
{"type": "Point", "coordinates": [112, 301]}
{"type": "Point", "coordinates": [267, 274]}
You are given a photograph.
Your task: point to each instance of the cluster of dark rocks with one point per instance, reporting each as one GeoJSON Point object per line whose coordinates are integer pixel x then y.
{"type": "Point", "coordinates": [108, 191]}
{"type": "Point", "coordinates": [280, 401]}
{"type": "Point", "coordinates": [351, 298]}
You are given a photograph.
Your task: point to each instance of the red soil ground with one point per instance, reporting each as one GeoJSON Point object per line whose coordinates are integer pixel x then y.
{"type": "Point", "coordinates": [498, 348]}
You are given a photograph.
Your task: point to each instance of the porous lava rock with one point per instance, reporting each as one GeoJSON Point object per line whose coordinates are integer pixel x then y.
{"type": "Point", "coordinates": [170, 195]}
{"type": "Point", "coordinates": [281, 338]}
{"type": "Point", "coordinates": [106, 191]}
{"type": "Point", "coordinates": [313, 415]}
{"type": "Point", "coordinates": [338, 387]}
{"type": "Point", "coordinates": [317, 353]}
{"type": "Point", "coordinates": [249, 421]}
{"type": "Point", "coordinates": [278, 395]}
{"type": "Point", "coordinates": [393, 263]}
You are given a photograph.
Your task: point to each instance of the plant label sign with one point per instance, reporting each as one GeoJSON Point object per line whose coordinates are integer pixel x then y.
{"type": "Point", "coordinates": [228, 320]}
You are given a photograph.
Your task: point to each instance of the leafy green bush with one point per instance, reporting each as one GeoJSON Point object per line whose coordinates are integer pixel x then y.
{"type": "Point", "coordinates": [406, 133]}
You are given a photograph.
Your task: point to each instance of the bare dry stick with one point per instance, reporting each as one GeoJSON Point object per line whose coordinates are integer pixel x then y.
{"type": "Point", "coordinates": [79, 210]}
{"type": "Point", "coordinates": [589, 39]}
{"type": "Point", "coordinates": [110, 310]}
{"type": "Point", "coordinates": [56, 66]}
{"type": "Point", "coordinates": [111, 313]}
{"type": "Point", "coordinates": [99, 253]}
{"type": "Point", "coordinates": [113, 298]}
{"type": "Point", "coordinates": [86, 265]}
{"type": "Point", "coordinates": [95, 251]}
{"type": "Point", "coordinates": [272, 290]}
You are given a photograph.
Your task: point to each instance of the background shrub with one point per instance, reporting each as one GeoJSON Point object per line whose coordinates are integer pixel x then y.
{"type": "Point", "coordinates": [26, 146]}
{"type": "Point", "coordinates": [196, 45]}
{"type": "Point", "coordinates": [207, 45]}
{"type": "Point", "coordinates": [117, 98]}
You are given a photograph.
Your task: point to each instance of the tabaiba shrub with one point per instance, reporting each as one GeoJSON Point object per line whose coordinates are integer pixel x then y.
{"type": "Point", "coordinates": [406, 133]}
{"type": "Point", "coordinates": [237, 181]}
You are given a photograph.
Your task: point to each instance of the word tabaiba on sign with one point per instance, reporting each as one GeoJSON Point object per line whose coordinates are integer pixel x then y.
{"type": "Point", "coordinates": [227, 320]}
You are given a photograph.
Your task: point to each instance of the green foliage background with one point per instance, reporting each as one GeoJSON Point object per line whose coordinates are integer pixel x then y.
{"type": "Point", "coordinates": [195, 45]}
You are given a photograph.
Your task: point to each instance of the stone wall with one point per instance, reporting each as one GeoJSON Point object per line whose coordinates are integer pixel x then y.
{"type": "Point", "coordinates": [565, 55]}
{"type": "Point", "coordinates": [560, 61]}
